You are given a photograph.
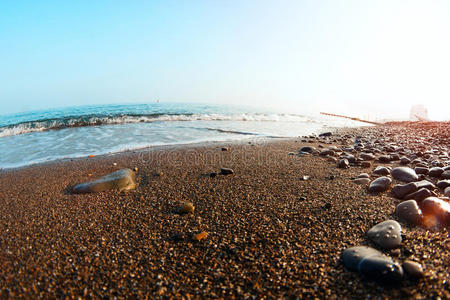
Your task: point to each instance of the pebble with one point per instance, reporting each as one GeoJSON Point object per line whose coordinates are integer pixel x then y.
{"type": "Point", "coordinates": [343, 163]}
{"type": "Point", "coordinates": [384, 158]}
{"type": "Point", "coordinates": [186, 208]}
{"type": "Point", "coordinates": [401, 190]}
{"type": "Point", "coordinates": [409, 212]}
{"type": "Point", "coordinates": [413, 269]}
{"type": "Point", "coordinates": [225, 149]}
{"type": "Point", "coordinates": [380, 184]}
{"type": "Point", "coordinates": [425, 184]}
{"type": "Point", "coordinates": [361, 181]}
{"type": "Point", "coordinates": [380, 170]}
{"type": "Point", "coordinates": [404, 160]}
{"type": "Point", "coordinates": [443, 184]}
{"type": "Point", "coordinates": [213, 174]}
{"type": "Point", "coordinates": [445, 175]}
{"type": "Point", "coordinates": [438, 208]}
{"type": "Point", "coordinates": [421, 170]}
{"type": "Point", "coordinates": [363, 175]}
{"type": "Point", "coordinates": [124, 179]}
{"type": "Point", "coordinates": [419, 195]}
{"type": "Point", "coordinates": [226, 171]}
{"type": "Point", "coordinates": [200, 236]}
{"type": "Point", "coordinates": [386, 234]}
{"type": "Point", "coordinates": [436, 172]}
{"type": "Point", "coordinates": [307, 149]}
{"type": "Point", "coordinates": [447, 192]}
{"type": "Point", "coordinates": [367, 156]}
{"type": "Point", "coordinates": [404, 174]}
{"type": "Point", "coordinates": [371, 263]}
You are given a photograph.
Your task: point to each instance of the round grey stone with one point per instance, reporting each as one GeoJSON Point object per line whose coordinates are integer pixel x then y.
{"type": "Point", "coordinates": [387, 234]}
{"type": "Point", "coordinates": [404, 174]}
{"type": "Point", "coordinates": [380, 184]}
{"type": "Point", "coordinates": [436, 172]}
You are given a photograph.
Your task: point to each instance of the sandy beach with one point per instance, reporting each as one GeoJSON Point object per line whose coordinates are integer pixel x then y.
{"type": "Point", "coordinates": [271, 231]}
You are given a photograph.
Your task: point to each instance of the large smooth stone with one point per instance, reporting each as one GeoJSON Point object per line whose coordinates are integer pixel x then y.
{"type": "Point", "coordinates": [372, 263]}
{"type": "Point", "coordinates": [409, 212]}
{"type": "Point", "coordinates": [380, 184]}
{"type": "Point", "coordinates": [401, 190]}
{"type": "Point", "coordinates": [443, 184]}
{"type": "Point", "coordinates": [124, 179]}
{"type": "Point", "coordinates": [436, 172]}
{"type": "Point", "coordinates": [381, 268]}
{"type": "Point", "coordinates": [419, 195]}
{"type": "Point", "coordinates": [438, 208]}
{"type": "Point", "coordinates": [404, 174]}
{"type": "Point", "coordinates": [387, 234]}
{"type": "Point", "coordinates": [380, 170]}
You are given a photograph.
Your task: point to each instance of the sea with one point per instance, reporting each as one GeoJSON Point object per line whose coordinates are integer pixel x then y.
{"type": "Point", "coordinates": [47, 135]}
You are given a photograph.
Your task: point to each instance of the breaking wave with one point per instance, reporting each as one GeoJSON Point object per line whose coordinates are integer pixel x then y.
{"type": "Point", "coordinates": [99, 120]}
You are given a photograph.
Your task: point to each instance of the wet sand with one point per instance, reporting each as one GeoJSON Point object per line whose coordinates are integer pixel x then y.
{"type": "Point", "coordinates": [270, 233]}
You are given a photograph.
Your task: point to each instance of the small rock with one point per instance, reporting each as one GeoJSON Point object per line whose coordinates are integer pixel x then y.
{"type": "Point", "coordinates": [384, 158]}
{"type": "Point", "coordinates": [380, 170]}
{"type": "Point", "coordinates": [307, 149]}
{"type": "Point", "coordinates": [380, 184]}
{"type": "Point", "coordinates": [404, 174]}
{"type": "Point", "coordinates": [372, 263]}
{"type": "Point", "coordinates": [409, 212]}
{"type": "Point", "coordinates": [445, 175]}
{"type": "Point", "coordinates": [413, 269]}
{"type": "Point", "coordinates": [343, 163]}
{"type": "Point", "coordinates": [436, 172]}
{"type": "Point", "coordinates": [212, 174]}
{"type": "Point", "coordinates": [421, 170]}
{"type": "Point", "coordinates": [404, 160]}
{"type": "Point", "coordinates": [226, 171]}
{"type": "Point", "coordinates": [447, 192]}
{"type": "Point", "coordinates": [367, 156]}
{"type": "Point", "coordinates": [326, 134]}
{"type": "Point", "coordinates": [361, 181]}
{"type": "Point", "coordinates": [225, 149]}
{"type": "Point", "coordinates": [425, 184]}
{"type": "Point", "coordinates": [200, 236]}
{"type": "Point", "coordinates": [363, 175]}
{"type": "Point", "coordinates": [136, 169]}
{"type": "Point", "coordinates": [120, 180]}
{"type": "Point", "coordinates": [386, 234]}
{"type": "Point", "coordinates": [443, 184]}
{"type": "Point", "coordinates": [186, 208]}
{"type": "Point", "coordinates": [400, 191]}
{"type": "Point", "coordinates": [419, 195]}
{"type": "Point", "coordinates": [304, 177]}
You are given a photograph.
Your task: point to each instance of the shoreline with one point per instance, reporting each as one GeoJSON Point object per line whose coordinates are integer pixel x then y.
{"type": "Point", "coordinates": [270, 232]}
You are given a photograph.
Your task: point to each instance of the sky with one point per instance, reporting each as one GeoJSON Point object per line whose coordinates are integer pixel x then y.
{"type": "Point", "coordinates": [363, 58]}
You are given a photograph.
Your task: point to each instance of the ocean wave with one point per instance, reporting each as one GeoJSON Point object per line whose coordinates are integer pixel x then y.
{"type": "Point", "coordinates": [99, 120]}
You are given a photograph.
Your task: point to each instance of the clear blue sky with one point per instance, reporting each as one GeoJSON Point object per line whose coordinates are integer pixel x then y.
{"type": "Point", "coordinates": [355, 57]}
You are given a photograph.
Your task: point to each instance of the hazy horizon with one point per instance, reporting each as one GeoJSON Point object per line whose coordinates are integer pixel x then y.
{"type": "Point", "coordinates": [361, 58]}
